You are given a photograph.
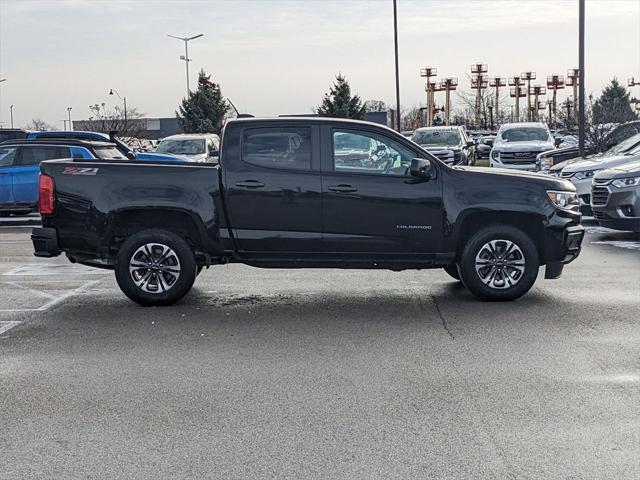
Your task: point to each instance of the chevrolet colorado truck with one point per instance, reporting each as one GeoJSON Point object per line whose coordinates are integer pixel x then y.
{"type": "Point", "coordinates": [307, 193]}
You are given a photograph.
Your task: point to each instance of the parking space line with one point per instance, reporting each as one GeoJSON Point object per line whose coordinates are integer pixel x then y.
{"type": "Point", "coordinates": [6, 326]}
{"type": "Point", "coordinates": [54, 301]}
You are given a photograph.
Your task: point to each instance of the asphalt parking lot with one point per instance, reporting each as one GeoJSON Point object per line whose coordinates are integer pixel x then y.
{"type": "Point", "coordinates": [320, 373]}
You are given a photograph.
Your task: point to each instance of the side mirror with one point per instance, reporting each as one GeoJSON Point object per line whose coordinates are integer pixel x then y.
{"type": "Point", "coordinates": [422, 168]}
{"type": "Point", "coordinates": [131, 155]}
{"type": "Point", "coordinates": [470, 143]}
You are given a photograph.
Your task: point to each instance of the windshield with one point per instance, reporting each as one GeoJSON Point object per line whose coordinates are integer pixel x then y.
{"type": "Point", "coordinates": [624, 145]}
{"type": "Point", "coordinates": [525, 134]}
{"type": "Point", "coordinates": [109, 153]}
{"type": "Point", "coordinates": [191, 146]}
{"type": "Point", "coordinates": [436, 137]}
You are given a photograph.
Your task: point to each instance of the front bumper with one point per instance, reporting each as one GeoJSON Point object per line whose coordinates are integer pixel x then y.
{"type": "Point", "coordinates": [617, 208]}
{"type": "Point", "coordinates": [562, 246]}
{"type": "Point", "coordinates": [45, 242]}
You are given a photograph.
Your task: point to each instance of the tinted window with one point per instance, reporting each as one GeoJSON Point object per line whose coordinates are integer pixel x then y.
{"type": "Point", "coordinates": [278, 147]}
{"type": "Point", "coordinates": [7, 154]}
{"type": "Point", "coordinates": [191, 146]}
{"type": "Point", "coordinates": [34, 154]}
{"type": "Point", "coordinates": [364, 153]}
{"type": "Point", "coordinates": [525, 134]}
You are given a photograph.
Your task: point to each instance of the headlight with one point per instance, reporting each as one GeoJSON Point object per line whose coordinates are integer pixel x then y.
{"type": "Point", "coordinates": [563, 199]}
{"type": "Point", "coordinates": [495, 155]}
{"type": "Point", "coordinates": [626, 182]}
{"type": "Point", "coordinates": [583, 175]}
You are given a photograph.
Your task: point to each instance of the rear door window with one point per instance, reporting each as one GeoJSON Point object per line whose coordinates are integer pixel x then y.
{"type": "Point", "coordinates": [282, 147]}
{"type": "Point", "coordinates": [34, 154]}
{"type": "Point", "coordinates": [7, 156]}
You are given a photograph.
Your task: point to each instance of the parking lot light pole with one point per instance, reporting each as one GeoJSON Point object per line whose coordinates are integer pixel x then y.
{"type": "Point", "coordinates": [555, 82]}
{"type": "Point", "coordinates": [581, 112]}
{"type": "Point", "coordinates": [572, 75]}
{"type": "Point", "coordinates": [395, 43]}
{"type": "Point", "coordinates": [69, 116]}
{"type": "Point", "coordinates": [528, 76]}
{"type": "Point", "coordinates": [497, 83]}
{"type": "Point", "coordinates": [479, 82]}
{"type": "Point", "coordinates": [11, 112]}
{"type": "Point", "coordinates": [124, 100]}
{"type": "Point", "coordinates": [448, 84]}
{"type": "Point", "coordinates": [185, 57]}
{"type": "Point", "coordinates": [516, 92]}
{"type": "Point", "coordinates": [428, 72]}
{"type": "Point", "coordinates": [536, 91]}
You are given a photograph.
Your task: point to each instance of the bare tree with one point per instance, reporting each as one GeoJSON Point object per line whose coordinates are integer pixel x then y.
{"type": "Point", "coordinates": [375, 106]}
{"type": "Point", "coordinates": [114, 121]}
{"type": "Point", "coordinates": [39, 125]}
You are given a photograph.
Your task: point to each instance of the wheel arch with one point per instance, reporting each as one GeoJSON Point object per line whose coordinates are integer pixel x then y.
{"type": "Point", "coordinates": [530, 223]}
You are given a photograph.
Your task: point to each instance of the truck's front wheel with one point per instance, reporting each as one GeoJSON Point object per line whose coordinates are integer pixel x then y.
{"type": "Point", "coordinates": [499, 263]}
{"type": "Point", "coordinates": [155, 267]}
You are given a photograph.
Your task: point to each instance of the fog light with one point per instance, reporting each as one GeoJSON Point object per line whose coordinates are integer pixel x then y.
{"type": "Point", "coordinates": [627, 210]}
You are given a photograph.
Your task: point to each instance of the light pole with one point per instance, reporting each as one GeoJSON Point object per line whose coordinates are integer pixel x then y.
{"type": "Point", "coordinates": [528, 76]}
{"type": "Point", "coordinates": [395, 41]}
{"type": "Point", "coordinates": [124, 100]}
{"type": "Point", "coordinates": [185, 57]}
{"type": "Point", "coordinates": [11, 111]}
{"type": "Point", "coordinates": [516, 92]}
{"type": "Point", "coordinates": [428, 72]}
{"type": "Point", "coordinates": [581, 112]}
{"type": "Point", "coordinates": [555, 82]}
{"type": "Point", "coordinates": [448, 84]}
{"type": "Point", "coordinates": [497, 82]}
{"type": "Point", "coordinates": [479, 82]}
{"type": "Point", "coordinates": [536, 91]}
{"type": "Point", "coordinates": [69, 115]}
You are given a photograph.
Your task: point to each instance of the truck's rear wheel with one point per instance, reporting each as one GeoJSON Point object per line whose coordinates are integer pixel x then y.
{"type": "Point", "coordinates": [499, 263]}
{"type": "Point", "coordinates": [155, 267]}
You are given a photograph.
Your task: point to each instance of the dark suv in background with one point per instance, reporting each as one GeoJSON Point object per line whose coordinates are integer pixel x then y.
{"type": "Point", "coordinates": [449, 144]}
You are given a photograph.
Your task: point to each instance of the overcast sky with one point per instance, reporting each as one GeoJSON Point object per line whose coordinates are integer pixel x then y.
{"type": "Point", "coordinates": [274, 57]}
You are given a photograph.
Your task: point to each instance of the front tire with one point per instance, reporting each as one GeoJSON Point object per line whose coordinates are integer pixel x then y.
{"type": "Point", "coordinates": [155, 268]}
{"type": "Point", "coordinates": [499, 263]}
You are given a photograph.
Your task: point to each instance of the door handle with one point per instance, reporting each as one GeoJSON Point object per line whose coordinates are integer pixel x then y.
{"type": "Point", "coordinates": [342, 188]}
{"type": "Point", "coordinates": [250, 184]}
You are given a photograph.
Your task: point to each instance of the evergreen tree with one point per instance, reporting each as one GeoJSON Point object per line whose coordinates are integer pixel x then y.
{"type": "Point", "coordinates": [614, 105]}
{"type": "Point", "coordinates": [339, 103]}
{"type": "Point", "coordinates": [204, 110]}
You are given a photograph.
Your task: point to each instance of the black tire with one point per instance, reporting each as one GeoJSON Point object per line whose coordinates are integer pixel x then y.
{"type": "Point", "coordinates": [506, 277]}
{"type": "Point", "coordinates": [452, 270]}
{"type": "Point", "coordinates": [157, 285]}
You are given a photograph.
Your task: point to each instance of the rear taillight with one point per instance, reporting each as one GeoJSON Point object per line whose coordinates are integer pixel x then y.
{"type": "Point", "coordinates": [46, 189]}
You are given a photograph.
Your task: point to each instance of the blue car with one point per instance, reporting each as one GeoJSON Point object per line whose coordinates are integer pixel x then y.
{"type": "Point", "coordinates": [20, 167]}
{"type": "Point", "coordinates": [103, 137]}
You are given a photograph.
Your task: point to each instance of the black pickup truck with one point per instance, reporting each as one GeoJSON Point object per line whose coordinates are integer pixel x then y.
{"type": "Point", "coordinates": [307, 192]}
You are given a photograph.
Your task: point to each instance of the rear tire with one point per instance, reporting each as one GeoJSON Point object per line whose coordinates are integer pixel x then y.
{"type": "Point", "coordinates": [155, 268]}
{"type": "Point", "coordinates": [499, 263]}
{"type": "Point", "coordinates": [452, 270]}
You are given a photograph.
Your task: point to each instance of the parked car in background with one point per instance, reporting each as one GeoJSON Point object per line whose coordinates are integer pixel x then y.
{"type": "Point", "coordinates": [623, 147]}
{"type": "Point", "coordinates": [20, 167]}
{"type": "Point", "coordinates": [581, 173]}
{"type": "Point", "coordinates": [517, 145]}
{"type": "Point", "coordinates": [615, 197]}
{"type": "Point", "coordinates": [484, 144]}
{"type": "Point", "coordinates": [12, 134]}
{"type": "Point", "coordinates": [197, 147]}
{"type": "Point", "coordinates": [449, 144]}
{"type": "Point", "coordinates": [102, 137]}
{"type": "Point", "coordinates": [407, 133]}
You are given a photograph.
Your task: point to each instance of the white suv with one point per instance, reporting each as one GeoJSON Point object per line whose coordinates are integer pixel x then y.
{"type": "Point", "coordinates": [197, 147]}
{"type": "Point", "coordinates": [518, 144]}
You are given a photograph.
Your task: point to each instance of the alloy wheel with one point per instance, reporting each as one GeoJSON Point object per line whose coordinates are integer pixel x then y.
{"type": "Point", "coordinates": [154, 268]}
{"type": "Point", "coordinates": [500, 264]}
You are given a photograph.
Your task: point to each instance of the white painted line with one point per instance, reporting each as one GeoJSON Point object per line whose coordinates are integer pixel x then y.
{"type": "Point", "coordinates": [32, 290]}
{"type": "Point", "coordinates": [38, 269]}
{"type": "Point", "coordinates": [55, 301]}
{"type": "Point", "coordinates": [6, 326]}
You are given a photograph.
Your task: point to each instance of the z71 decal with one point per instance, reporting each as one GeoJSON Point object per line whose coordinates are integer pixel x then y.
{"type": "Point", "coordinates": [79, 171]}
